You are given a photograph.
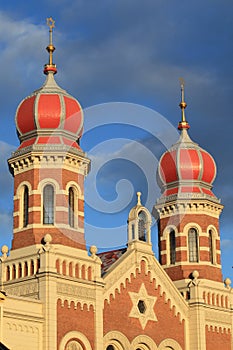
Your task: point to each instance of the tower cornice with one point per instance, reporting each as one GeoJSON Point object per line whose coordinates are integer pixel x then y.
{"type": "Point", "coordinates": [35, 157]}
{"type": "Point", "coordinates": [189, 206]}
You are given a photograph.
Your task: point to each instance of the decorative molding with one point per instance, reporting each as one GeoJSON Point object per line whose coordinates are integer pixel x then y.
{"type": "Point", "coordinates": [129, 267]}
{"type": "Point", "coordinates": [72, 336]}
{"type": "Point", "coordinates": [74, 345]}
{"type": "Point", "coordinates": [204, 206]}
{"type": "Point", "coordinates": [219, 328]}
{"type": "Point", "coordinates": [169, 344]}
{"type": "Point", "coordinates": [36, 148]}
{"type": "Point", "coordinates": [55, 225]}
{"type": "Point", "coordinates": [19, 327]}
{"type": "Point", "coordinates": [118, 339]}
{"type": "Point", "coordinates": [218, 318]}
{"type": "Point", "coordinates": [49, 157]}
{"type": "Point", "coordinates": [65, 289]}
{"type": "Point", "coordinates": [164, 201]}
{"type": "Point", "coordinates": [143, 342]}
{"type": "Point", "coordinates": [29, 289]}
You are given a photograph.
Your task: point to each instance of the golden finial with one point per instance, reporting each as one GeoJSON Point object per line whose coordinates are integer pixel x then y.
{"type": "Point", "coordinates": [183, 124]}
{"type": "Point", "coordinates": [139, 198]}
{"type": "Point", "coordinates": [50, 48]}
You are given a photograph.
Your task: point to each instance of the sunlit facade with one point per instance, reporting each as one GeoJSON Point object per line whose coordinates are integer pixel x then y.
{"type": "Point", "coordinates": [57, 295]}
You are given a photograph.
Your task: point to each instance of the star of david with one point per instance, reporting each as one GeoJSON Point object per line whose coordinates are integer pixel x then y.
{"type": "Point", "coordinates": [143, 306]}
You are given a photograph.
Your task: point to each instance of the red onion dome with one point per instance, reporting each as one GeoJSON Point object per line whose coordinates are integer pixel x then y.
{"type": "Point", "coordinates": [186, 169]}
{"type": "Point", "coordinates": [49, 116]}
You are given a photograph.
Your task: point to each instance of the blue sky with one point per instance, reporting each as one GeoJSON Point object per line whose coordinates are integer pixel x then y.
{"type": "Point", "coordinates": [122, 60]}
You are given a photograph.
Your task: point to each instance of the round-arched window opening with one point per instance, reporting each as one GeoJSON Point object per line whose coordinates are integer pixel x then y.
{"type": "Point", "coordinates": [74, 345]}
{"type": "Point", "coordinates": [110, 347]}
{"type": "Point", "coordinates": [141, 306]}
{"type": "Point", "coordinates": [193, 245]}
{"type": "Point", "coordinates": [142, 219]}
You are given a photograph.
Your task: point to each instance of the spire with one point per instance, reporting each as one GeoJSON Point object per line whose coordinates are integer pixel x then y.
{"type": "Point", "coordinates": [139, 198]}
{"type": "Point", "coordinates": [50, 67]}
{"type": "Point", "coordinates": [183, 124]}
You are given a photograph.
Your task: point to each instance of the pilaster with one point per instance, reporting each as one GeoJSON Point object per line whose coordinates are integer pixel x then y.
{"type": "Point", "coordinates": [48, 293]}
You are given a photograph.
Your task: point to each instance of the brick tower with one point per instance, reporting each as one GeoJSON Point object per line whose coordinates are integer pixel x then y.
{"type": "Point", "coordinates": [48, 261]}
{"type": "Point", "coordinates": [188, 210]}
{"type": "Point", "coordinates": [56, 296]}
{"type": "Point", "coordinates": [49, 166]}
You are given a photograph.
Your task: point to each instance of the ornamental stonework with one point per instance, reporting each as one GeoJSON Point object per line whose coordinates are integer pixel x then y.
{"type": "Point", "coordinates": [74, 345]}
{"type": "Point", "coordinates": [27, 289]}
{"type": "Point", "coordinates": [143, 306]}
{"type": "Point", "coordinates": [75, 291]}
{"type": "Point", "coordinates": [218, 318]}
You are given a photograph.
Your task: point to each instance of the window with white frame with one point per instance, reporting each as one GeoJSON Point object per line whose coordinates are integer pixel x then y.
{"type": "Point", "coordinates": [71, 207]}
{"type": "Point", "coordinates": [211, 247]}
{"type": "Point", "coordinates": [172, 246]}
{"type": "Point", "coordinates": [25, 206]}
{"type": "Point", "coordinates": [48, 205]}
{"type": "Point", "coordinates": [193, 245]}
{"type": "Point", "coordinates": [142, 221]}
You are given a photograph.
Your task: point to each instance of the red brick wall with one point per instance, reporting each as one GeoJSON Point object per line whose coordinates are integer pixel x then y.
{"type": "Point", "coordinates": [116, 314]}
{"type": "Point", "coordinates": [180, 272]}
{"type": "Point", "coordinates": [181, 220]}
{"type": "Point", "coordinates": [63, 236]}
{"type": "Point", "coordinates": [217, 340]}
{"type": "Point", "coordinates": [183, 271]}
{"type": "Point", "coordinates": [28, 236]}
{"type": "Point", "coordinates": [71, 319]}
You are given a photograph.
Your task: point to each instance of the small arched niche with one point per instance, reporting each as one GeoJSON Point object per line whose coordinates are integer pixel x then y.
{"type": "Point", "coordinates": [139, 223]}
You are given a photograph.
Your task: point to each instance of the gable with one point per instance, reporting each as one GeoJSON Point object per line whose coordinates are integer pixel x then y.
{"type": "Point", "coordinates": [141, 299]}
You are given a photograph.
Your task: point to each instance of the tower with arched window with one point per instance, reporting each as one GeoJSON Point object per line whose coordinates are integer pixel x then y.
{"type": "Point", "coordinates": [57, 295]}
{"type": "Point", "coordinates": [139, 223]}
{"type": "Point", "coordinates": [49, 167]}
{"type": "Point", "coordinates": [188, 210]}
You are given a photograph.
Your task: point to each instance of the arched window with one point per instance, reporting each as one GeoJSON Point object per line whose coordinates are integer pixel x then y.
{"type": "Point", "coordinates": [74, 345]}
{"type": "Point", "coordinates": [193, 245]}
{"type": "Point", "coordinates": [142, 226]}
{"type": "Point", "coordinates": [25, 206]}
{"type": "Point", "coordinates": [110, 347]}
{"type": "Point", "coordinates": [20, 270]}
{"type": "Point", "coordinates": [7, 273]}
{"type": "Point", "coordinates": [211, 248]}
{"type": "Point", "coordinates": [172, 246]}
{"type": "Point", "coordinates": [26, 269]}
{"type": "Point", "coordinates": [13, 272]}
{"type": "Point", "coordinates": [48, 205]}
{"type": "Point", "coordinates": [32, 268]}
{"type": "Point", "coordinates": [71, 207]}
